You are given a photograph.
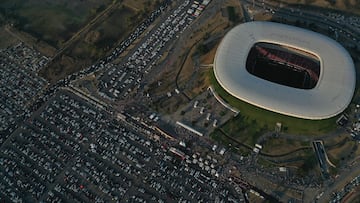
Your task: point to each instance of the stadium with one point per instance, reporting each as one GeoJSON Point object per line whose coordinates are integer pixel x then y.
{"type": "Point", "coordinates": [285, 69]}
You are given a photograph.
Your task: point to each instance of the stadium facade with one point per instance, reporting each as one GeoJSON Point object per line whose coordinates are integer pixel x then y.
{"type": "Point", "coordinates": [330, 87]}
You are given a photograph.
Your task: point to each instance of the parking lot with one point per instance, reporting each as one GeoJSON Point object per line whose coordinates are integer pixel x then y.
{"type": "Point", "coordinates": [346, 191]}
{"type": "Point", "coordinates": [19, 85]}
{"type": "Point", "coordinates": [204, 113]}
{"type": "Point", "coordinates": [73, 151]}
{"type": "Point", "coordinates": [121, 79]}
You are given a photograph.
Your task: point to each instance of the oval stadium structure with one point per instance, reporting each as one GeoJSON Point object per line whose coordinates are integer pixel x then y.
{"type": "Point", "coordinates": [285, 69]}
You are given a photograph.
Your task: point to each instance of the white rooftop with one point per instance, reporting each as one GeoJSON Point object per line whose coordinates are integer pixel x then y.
{"type": "Point", "coordinates": [331, 95]}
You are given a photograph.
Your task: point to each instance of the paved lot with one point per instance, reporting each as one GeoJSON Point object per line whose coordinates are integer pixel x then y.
{"type": "Point", "coordinates": [75, 152]}
{"type": "Point", "coordinates": [19, 85]}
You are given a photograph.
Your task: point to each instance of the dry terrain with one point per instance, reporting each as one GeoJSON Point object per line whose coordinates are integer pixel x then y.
{"type": "Point", "coordinates": [6, 39]}
{"type": "Point", "coordinates": [51, 21]}
{"type": "Point", "coordinates": [188, 62]}
{"type": "Point", "coordinates": [78, 32]}
{"type": "Point", "coordinates": [95, 44]}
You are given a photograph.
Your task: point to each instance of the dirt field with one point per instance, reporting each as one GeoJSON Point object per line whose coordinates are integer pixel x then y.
{"type": "Point", "coordinates": [344, 151]}
{"type": "Point", "coordinates": [6, 39]}
{"type": "Point", "coordinates": [50, 25]}
{"type": "Point", "coordinates": [141, 5]}
{"type": "Point", "coordinates": [193, 66]}
{"type": "Point", "coordinates": [208, 35]}
{"type": "Point", "coordinates": [277, 146]}
{"type": "Point", "coordinates": [114, 29]}
{"type": "Point", "coordinates": [53, 21]}
{"type": "Point", "coordinates": [97, 42]}
{"type": "Point", "coordinates": [193, 78]}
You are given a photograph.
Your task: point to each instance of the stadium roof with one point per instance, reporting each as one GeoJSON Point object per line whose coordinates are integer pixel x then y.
{"type": "Point", "coordinates": [331, 95]}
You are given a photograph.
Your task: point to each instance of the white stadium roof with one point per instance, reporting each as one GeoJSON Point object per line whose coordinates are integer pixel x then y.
{"type": "Point", "coordinates": [331, 95]}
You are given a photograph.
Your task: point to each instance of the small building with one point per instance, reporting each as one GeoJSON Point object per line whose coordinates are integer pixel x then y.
{"type": "Point", "coordinates": [202, 110]}
{"type": "Point", "coordinates": [222, 151]}
{"type": "Point", "coordinates": [278, 127]}
{"type": "Point", "coordinates": [215, 123]}
{"type": "Point", "coordinates": [208, 116]}
{"type": "Point", "coordinates": [196, 103]}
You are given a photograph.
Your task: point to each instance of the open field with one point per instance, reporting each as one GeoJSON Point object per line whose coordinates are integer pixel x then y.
{"type": "Point", "coordinates": [51, 21]}
{"type": "Point", "coordinates": [244, 129]}
{"type": "Point", "coordinates": [79, 32]}
{"type": "Point", "coordinates": [6, 39]}
{"type": "Point", "coordinates": [115, 28]}
{"type": "Point", "coordinates": [141, 5]}
{"type": "Point", "coordinates": [277, 146]}
{"type": "Point", "coordinates": [343, 151]}
{"type": "Point", "coordinates": [99, 40]}
{"type": "Point", "coordinates": [185, 61]}
{"type": "Point", "coordinates": [214, 27]}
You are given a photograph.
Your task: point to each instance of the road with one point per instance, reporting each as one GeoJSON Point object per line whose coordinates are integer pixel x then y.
{"type": "Point", "coordinates": [346, 174]}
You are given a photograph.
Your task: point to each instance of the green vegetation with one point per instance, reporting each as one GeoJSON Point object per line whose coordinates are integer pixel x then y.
{"type": "Point", "coordinates": [256, 120]}
{"type": "Point", "coordinates": [109, 32]}
{"type": "Point", "coordinates": [6, 39]}
{"type": "Point", "coordinates": [218, 136]}
{"type": "Point", "coordinates": [240, 127]}
{"type": "Point", "coordinates": [310, 162]}
{"type": "Point", "coordinates": [202, 49]}
{"type": "Point", "coordinates": [266, 163]}
{"type": "Point", "coordinates": [233, 16]}
{"type": "Point", "coordinates": [96, 40]}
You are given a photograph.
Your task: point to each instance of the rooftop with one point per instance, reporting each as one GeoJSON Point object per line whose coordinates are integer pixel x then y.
{"type": "Point", "coordinates": [331, 95]}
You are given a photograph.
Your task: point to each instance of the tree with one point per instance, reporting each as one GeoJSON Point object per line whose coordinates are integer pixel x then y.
{"type": "Point", "coordinates": [202, 49]}
{"type": "Point", "coordinates": [206, 36]}
{"type": "Point", "coordinates": [232, 15]}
